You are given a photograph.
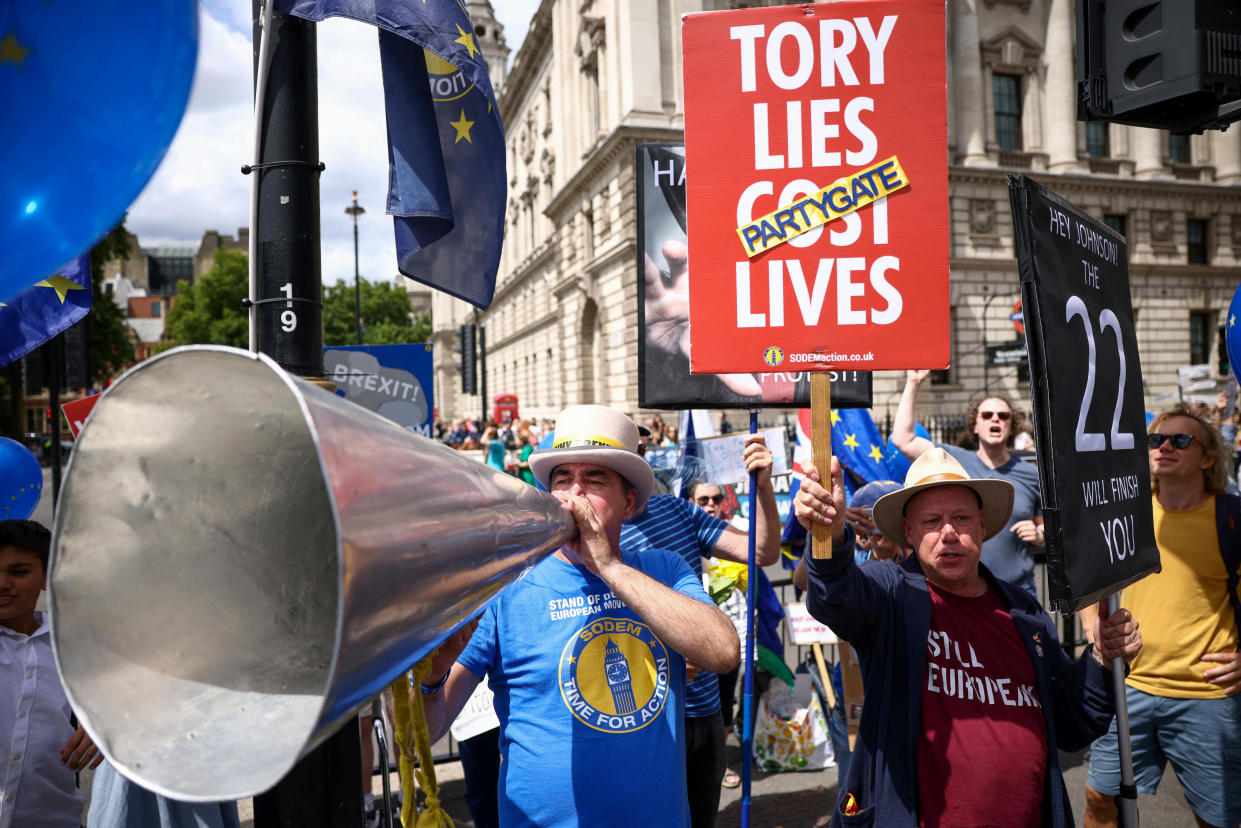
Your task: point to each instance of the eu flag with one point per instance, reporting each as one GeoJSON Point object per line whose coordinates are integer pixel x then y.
{"type": "Point", "coordinates": [448, 186]}
{"type": "Point", "coordinates": [45, 309]}
{"type": "Point", "coordinates": [858, 444]}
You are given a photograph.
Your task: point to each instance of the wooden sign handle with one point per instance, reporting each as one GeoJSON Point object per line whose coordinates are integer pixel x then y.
{"type": "Point", "coordinates": [821, 450]}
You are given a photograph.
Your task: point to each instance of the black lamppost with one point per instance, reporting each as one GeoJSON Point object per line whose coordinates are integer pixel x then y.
{"type": "Point", "coordinates": [355, 211]}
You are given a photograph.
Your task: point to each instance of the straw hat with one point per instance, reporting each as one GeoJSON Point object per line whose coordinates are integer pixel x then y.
{"type": "Point", "coordinates": [937, 467]}
{"type": "Point", "coordinates": [601, 436]}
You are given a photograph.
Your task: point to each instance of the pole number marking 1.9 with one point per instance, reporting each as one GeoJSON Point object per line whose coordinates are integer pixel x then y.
{"type": "Point", "coordinates": [288, 317]}
{"type": "Point", "coordinates": [1093, 441]}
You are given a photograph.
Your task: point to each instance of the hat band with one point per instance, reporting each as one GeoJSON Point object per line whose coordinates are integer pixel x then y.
{"type": "Point", "coordinates": [936, 478]}
{"type": "Point", "coordinates": [573, 440]}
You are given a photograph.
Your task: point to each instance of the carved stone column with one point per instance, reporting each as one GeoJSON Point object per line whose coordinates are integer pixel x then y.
{"type": "Point", "coordinates": [967, 74]}
{"type": "Point", "coordinates": [1226, 151]}
{"type": "Point", "coordinates": [1147, 153]}
{"type": "Point", "coordinates": [1061, 95]}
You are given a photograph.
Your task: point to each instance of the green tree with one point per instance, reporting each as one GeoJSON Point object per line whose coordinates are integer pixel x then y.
{"type": "Point", "coordinates": [385, 315]}
{"type": "Point", "coordinates": [210, 310]}
{"type": "Point", "coordinates": [111, 348]}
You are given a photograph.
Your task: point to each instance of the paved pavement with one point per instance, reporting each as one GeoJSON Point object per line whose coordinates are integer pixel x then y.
{"type": "Point", "coordinates": [804, 800]}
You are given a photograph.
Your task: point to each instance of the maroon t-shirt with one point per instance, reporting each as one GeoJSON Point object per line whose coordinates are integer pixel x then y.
{"type": "Point", "coordinates": [982, 751]}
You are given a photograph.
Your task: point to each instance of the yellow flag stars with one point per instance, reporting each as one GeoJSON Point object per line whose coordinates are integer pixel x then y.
{"type": "Point", "coordinates": [850, 441]}
{"type": "Point", "coordinates": [463, 128]}
{"type": "Point", "coordinates": [876, 452]}
{"type": "Point", "coordinates": [835, 416]}
{"type": "Point", "coordinates": [12, 51]}
{"type": "Point", "coordinates": [61, 285]}
{"type": "Point", "coordinates": [466, 40]}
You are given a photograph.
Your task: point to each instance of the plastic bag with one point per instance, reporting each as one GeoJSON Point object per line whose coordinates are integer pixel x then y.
{"type": "Point", "coordinates": [790, 730]}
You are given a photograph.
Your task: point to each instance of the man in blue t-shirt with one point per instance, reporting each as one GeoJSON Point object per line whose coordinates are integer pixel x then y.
{"type": "Point", "coordinates": [586, 654]}
{"type": "Point", "coordinates": [694, 533]}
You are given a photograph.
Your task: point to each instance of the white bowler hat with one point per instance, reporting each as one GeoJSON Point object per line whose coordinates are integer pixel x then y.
{"type": "Point", "coordinates": [600, 436]}
{"type": "Point", "coordinates": [937, 467]}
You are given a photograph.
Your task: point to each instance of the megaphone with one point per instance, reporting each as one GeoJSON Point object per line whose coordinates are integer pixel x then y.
{"type": "Point", "coordinates": [242, 559]}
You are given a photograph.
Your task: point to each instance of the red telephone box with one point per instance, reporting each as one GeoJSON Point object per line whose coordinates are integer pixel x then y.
{"type": "Point", "coordinates": [505, 408]}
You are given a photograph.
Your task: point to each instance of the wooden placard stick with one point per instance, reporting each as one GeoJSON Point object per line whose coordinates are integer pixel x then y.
{"type": "Point", "coordinates": [821, 449]}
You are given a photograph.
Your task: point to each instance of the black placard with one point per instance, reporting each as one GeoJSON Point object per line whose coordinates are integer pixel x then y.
{"type": "Point", "coordinates": [1086, 394]}
{"type": "Point", "coordinates": [664, 380]}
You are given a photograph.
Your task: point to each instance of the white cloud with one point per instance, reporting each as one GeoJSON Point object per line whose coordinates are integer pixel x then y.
{"type": "Point", "coordinates": [514, 16]}
{"type": "Point", "coordinates": [199, 185]}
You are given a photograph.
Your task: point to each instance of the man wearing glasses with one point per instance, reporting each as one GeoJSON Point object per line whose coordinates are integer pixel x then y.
{"type": "Point", "coordinates": [1184, 689]}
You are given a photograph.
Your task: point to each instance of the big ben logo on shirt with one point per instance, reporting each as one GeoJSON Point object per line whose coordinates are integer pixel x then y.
{"type": "Point", "coordinates": [614, 675]}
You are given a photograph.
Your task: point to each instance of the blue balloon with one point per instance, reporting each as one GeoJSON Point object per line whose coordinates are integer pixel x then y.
{"type": "Point", "coordinates": [1232, 334]}
{"type": "Point", "coordinates": [92, 94]}
{"type": "Point", "coordinates": [21, 480]}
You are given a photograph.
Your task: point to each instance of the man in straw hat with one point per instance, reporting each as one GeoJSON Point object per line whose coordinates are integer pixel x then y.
{"type": "Point", "coordinates": [586, 654]}
{"type": "Point", "coordinates": [969, 697]}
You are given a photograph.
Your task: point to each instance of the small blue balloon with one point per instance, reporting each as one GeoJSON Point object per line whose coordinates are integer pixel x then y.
{"type": "Point", "coordinates": [1232, 334]}
{"type": "Point", "coordinates": [92, 96]}
{"type": "Point", "coordinates": [21, 481]}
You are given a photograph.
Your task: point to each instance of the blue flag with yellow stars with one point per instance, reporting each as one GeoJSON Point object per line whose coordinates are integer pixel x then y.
{"type": "Point", "coordinates": [448, 183]}
{"type": "Point", "coordinates": [860, 447]}
{"type": "Point", "coordinates": [45, 309]}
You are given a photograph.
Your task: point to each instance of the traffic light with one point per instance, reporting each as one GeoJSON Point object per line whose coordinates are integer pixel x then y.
{"type": "Point", "coordinates": [469, 374]}
{"type": "Point", "coordinates": [1166, 64]}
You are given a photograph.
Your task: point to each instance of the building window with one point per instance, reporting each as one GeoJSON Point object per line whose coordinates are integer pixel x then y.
{"type": "Point", "coordinates": [1196, 241]}
{"type": "Point", "coordinates": [1200, 324]}
{"type": "Point", "coordinates": [155, 309]}
{"type": "Point", "coordinates": [1116, 222]}
{"type": "Point", "coordinates": [1098, 141]}
{"type": "Point", "coordinates": [1006, 95]}
{"type": "Point", "coordinates": [1178, 149]}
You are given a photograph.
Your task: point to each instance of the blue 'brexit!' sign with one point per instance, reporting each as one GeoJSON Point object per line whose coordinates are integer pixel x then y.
{"type": "Point", "coordinates": [391, 380]}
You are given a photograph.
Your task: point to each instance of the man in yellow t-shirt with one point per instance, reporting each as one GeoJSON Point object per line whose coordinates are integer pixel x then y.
{"type": "Point", "coordinates": [1183, 690]}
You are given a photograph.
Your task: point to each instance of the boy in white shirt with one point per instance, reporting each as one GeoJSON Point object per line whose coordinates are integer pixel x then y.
{"type": "Point", "coordinates": [40, 749]}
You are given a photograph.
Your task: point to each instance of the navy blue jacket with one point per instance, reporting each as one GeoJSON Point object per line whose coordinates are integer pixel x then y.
{"type": "Point", "coordinates": [884, 611]}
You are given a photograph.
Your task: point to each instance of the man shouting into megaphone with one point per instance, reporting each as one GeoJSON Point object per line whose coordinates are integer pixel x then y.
{"type": "Point", "coordinates": [586, 654]}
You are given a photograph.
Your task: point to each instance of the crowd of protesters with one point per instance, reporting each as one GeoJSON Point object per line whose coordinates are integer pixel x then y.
{"type": "Point", "coordinates": [945, 558]}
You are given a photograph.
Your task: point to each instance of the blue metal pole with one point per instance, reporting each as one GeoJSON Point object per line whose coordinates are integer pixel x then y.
{"type": "Point", "coordinates": [747, 708]}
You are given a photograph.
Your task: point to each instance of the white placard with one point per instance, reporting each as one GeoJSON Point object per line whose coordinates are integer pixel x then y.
{"type": "Point", "coordinates": [1198, 371]}
{"type": "Point", "coordinates": [721, 456]}
{"type": "Point", "coordinates": [804, 629]}
{"type": "Point", "coordinates": [478, 715]}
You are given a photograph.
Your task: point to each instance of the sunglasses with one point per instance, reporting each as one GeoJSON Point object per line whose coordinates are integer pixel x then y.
{"type": "Point", "coordinates": [703, 500]}
{"type": "Point", "coordinates": [1003, 416]}
{"type": "Point", "coordinates": [1179, 441]}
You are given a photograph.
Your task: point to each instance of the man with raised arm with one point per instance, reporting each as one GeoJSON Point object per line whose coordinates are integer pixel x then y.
{"type": "Point", "coordinates": [586, 654]}
{"type": "Point", "coordinates": [969, 697]}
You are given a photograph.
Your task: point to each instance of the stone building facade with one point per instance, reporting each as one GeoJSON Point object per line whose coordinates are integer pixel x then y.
{"type": "Point", "coordinates": [595, 77]}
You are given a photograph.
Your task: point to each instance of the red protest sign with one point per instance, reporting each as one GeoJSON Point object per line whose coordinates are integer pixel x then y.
{"type": "Point", "coordinates": [77, 411]}
{"type": "Point", "coordinates": [819, 235]}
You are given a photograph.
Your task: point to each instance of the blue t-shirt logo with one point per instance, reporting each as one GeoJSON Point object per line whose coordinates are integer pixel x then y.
{"type": "Point", "coordinates": [614, 675]}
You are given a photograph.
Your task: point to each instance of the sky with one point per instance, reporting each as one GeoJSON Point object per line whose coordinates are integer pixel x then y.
{"type": "Point", "coordinates": [199, 185]}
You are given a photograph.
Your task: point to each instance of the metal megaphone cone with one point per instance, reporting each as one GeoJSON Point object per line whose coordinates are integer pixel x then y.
{"type": "Point", "coordinates": [242, 559]}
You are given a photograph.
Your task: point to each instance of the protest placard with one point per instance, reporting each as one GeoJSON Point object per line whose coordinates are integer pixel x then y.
{"type": "Point", "coordinates": [804, 630]}
{"type": "Point", "coordinates": [820, 237]}
{"type": "Point", "coordinates": [664, 378]}
{"type": "Point", "coordinates": [392, 380]}
{"type": "Point", "coordinates": [1089, 417]}
{"type": "Point", "coordinates": [722, 463]}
